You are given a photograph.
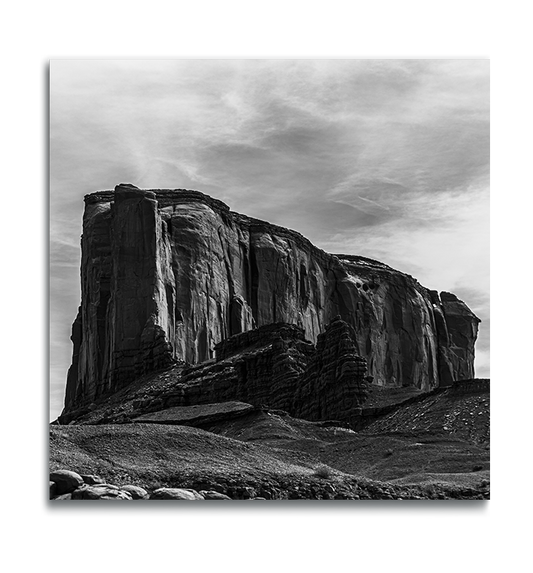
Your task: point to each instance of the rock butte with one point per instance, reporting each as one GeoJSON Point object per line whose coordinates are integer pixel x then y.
{"type": "Point", "coordinates": [167, 275]}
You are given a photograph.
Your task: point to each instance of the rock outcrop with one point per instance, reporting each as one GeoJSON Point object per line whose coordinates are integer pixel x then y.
{"type": "Point", "coordinates": [65, 481]}
{"type": "Point", "coordinates": [169, 274]}
{"type": "Point", "coordinates": [197, 415]}
{"type": "Point", "coordinates": [272, 366]}
{"type": "Point", "coordinates": [334, 382]}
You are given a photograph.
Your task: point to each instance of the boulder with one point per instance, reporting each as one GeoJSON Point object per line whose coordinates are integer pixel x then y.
{"type": "Point", "coordinates": [66, 481]}
{"type": "Point", "coordinates": [52, 489]}
{"type": "Point", "coordinates": [213, 495]}
{"type": "Point", "coordinates": [100, 491]}
{"type": "Point", "coordinates": [135, 491]}
{"type": "Point", "coordinates": [176, 493]}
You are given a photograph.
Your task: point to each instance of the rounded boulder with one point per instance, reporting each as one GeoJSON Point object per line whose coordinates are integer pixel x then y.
{"type": "Point", "coordinates": [213, 495]}
{"type": "Point", "coordinates": [66, 481]}
{"type": "Point", "coordinates": [135, 491]}
{"type": "Point", "coordinates": [176, 493]}
{"type": "Point", "coordinates": [100, 491]}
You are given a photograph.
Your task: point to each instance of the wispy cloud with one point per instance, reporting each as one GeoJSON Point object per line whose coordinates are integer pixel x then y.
{"type": "Point", "coordinates": [441, 239]}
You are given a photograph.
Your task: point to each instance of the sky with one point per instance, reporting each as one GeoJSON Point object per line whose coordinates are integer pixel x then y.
{"type": "Point", "coordinates": [387, 159]}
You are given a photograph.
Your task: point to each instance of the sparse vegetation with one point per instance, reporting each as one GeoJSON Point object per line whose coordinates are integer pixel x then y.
{"type": "Point", "coordinates": [323, 472]}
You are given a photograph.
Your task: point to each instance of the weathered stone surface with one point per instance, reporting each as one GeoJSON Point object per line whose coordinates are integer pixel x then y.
{"type": "Point", "coordinates": [168, 274]}
{"type": "Point", "coordinates": [213, 495]}
{"type": "Point", "coordinates": [101, 491]}
{"type": "Point", "coordinates": [92, 479]}
{"type": "Point", "coordinates": [462, 329]}
{"type": "Point", "coordinates": [334, 381]}
{"type": "Point", "coordinates": [66, 481]}
{"type": "Point", "coordinates": [197, 414]}
{"type": "Point", "coordinates": [270, 366]}
{"type": "Point", "coordinates": [135, 491]}
{"type": "Point", "coordinates": [176, 493]}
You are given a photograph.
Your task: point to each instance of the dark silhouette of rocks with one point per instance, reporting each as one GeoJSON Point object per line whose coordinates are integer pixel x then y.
{"type": "Point", "coordinates": [275, 366]}
{"type": "Point", "coordinates": [66, 481]}
{"type": "Point", "coordinates": [173, 275]}
{"type": "Point", "coordinates": [334, 383]}
{"type": "Point", "coordinates": [272, 366]}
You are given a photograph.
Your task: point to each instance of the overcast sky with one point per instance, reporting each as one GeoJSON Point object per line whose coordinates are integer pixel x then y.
{"type": "Point", "coordinates": [383, 158]}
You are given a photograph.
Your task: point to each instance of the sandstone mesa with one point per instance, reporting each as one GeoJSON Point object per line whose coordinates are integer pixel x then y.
{"type": "Point", "coordinates": [258, 313]}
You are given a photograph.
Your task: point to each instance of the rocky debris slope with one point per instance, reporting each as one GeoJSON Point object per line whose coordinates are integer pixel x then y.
{"type": "Point", "coordinates": [270, 366]}
{"type": "Point", "coordinates": [168, 274]}
{"type": "Point", "coordinates": [462, 411]}
{"type": "Point", "coordinates": [321, 485]}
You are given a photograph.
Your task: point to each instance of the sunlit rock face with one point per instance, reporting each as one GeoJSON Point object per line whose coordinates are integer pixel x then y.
{"type": "Point", "coordinates": [168, 274]}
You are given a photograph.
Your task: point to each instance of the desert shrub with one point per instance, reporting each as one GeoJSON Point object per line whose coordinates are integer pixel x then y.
{"type": "Point", "coordinates": [323, 472]}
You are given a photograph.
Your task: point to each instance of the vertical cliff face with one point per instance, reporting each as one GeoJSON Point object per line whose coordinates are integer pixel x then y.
{"type": "Point", "coordinates": [168, 274]}
{"type": "Point", "coordinates": [462, 326]}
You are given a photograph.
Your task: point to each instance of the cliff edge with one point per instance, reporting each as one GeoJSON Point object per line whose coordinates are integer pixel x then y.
{"type": "Point", "coordinates": [167, 275]}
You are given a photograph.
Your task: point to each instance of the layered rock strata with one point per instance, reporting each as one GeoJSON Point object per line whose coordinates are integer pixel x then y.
{"type": "Point", "coordinates": [272, 366]}
{"type": "Point", "coordinates": [169, 274]}
{"type": "Point", "coordinates": [198, 414]}
{"type": "Point", "coordinates": [334, 382]}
